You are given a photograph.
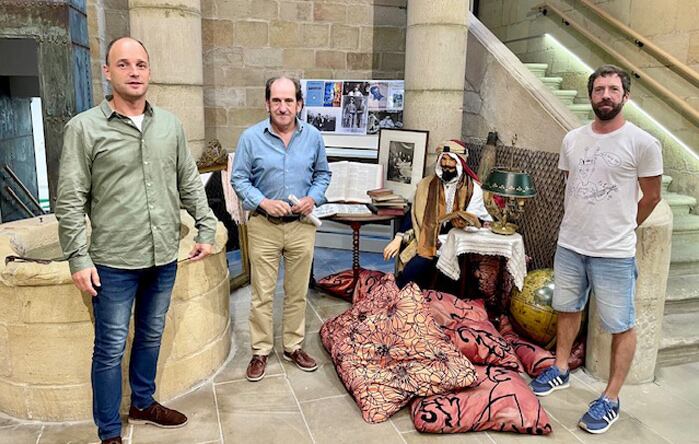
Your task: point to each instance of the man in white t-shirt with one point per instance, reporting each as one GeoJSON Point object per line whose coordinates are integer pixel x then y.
{"type": "Point", "coordinates": [605, 162]}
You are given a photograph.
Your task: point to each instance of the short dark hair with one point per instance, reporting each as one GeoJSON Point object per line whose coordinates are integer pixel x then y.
{"type": "Point", "coordinates": [297, 87]}
{"type": "Point", "coordinates": [608, 70]}
{"type": "Point", "coordinates": [109, 47]}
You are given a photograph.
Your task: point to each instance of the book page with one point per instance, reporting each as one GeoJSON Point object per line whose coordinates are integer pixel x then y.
{"type": "Point", "coordinates": [328, 210]}
{"type": "Point", "coordinates": [351, 180]}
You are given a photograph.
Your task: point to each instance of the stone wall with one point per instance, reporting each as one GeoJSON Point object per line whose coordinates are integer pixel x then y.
{"type": "Point", "coordinates": [671, 25]}
{"type": "Point", "coordinates": [247, 41]}
{"type": "Point", "coordinates": [106, 20]}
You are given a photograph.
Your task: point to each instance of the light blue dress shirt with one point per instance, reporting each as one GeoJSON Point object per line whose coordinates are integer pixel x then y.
{"type": "Point", "coordinates": [264, 168]}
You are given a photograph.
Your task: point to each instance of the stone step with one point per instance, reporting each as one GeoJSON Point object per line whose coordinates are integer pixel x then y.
{"type": "Point", "coordinates": [553, 83]}
{"type": "Point", "coordinates": [684, 260]}
{"type": "Point", "coordinates": [680, 339]}
{"type": "Point", "coordinates": [666, 182]}
{"type": "Point", "coordinates": [680, 203]}
{"type": "Point", "coordinates": [682, 295]}
{"type": "Point", "coordinates": [582, 110]}
{"type": "Point", "coordinates": [538, 69]}
{"type": "Point", "coordinates": [685, 230]}
{"type": "Point", "coordinates": [566, 95]}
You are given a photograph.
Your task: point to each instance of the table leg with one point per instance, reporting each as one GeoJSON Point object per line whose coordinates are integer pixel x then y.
{"type": "Point", "coordinates": [355, 252]}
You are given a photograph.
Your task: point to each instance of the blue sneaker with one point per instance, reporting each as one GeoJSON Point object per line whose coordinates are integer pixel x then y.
{"type": "Point", "coordinates": [600, 416]}
{"type": "Point", "coordinates": [550, 380]}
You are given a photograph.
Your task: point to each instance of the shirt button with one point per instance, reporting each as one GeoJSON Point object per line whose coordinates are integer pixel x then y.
{"type": "Point", "coordinates": [150, 206]}
{"type": "Point", "coordinates": [145, 162]}
{"type": "Point", "coordinates": [148, 184]}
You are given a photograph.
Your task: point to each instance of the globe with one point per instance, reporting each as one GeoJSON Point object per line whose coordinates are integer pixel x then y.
{"type": "Point", "coordinates": [531, 310]}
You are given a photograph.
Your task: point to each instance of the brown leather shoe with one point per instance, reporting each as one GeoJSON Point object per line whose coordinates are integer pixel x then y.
{"type": "Point", "coordinates": [256, 368]}
{"type": "Point", "coordinates": [302, 360]}
{"type": "Point", "coordinates": [157, 415]}
{"type": "Point", "coordinates": [115, 440]}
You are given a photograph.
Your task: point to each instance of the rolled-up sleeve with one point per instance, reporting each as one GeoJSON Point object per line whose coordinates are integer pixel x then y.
{"type": "Point", "coordinates": [321, 175]}
{"type": "Point", "coordinates": [73, 191]}
{"type": "Point", "coordinates": [242, 174]}
{"type": "Point", "coordinates": [192, 194]}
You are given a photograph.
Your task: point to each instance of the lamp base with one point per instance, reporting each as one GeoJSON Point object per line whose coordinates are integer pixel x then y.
{"type": "Point", "coordinates": [506, 228]}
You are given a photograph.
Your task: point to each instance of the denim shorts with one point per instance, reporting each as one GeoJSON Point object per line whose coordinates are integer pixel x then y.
{"type": "Point", "coordinates": [612, 280]}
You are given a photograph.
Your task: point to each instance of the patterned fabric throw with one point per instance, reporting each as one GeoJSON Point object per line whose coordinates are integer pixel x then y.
{"type": "Point", "coordinates": [388, 349]}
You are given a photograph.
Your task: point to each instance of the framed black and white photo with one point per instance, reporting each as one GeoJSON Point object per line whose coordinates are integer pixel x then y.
{"type": "Point", "coordinates": [402, 154]}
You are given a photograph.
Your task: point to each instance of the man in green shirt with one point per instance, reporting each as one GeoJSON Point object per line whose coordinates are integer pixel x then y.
{"type": "Point", "coordinates": [125, 164]}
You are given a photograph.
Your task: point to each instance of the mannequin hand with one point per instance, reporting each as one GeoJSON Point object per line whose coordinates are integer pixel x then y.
{"type": "Point", "coordinates": [392, 248]}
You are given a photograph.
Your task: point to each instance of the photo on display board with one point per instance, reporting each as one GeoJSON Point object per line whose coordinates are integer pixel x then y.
{"type": "Point", "coordinates": [395, 95]}
{"type": "Point", "coordinates": [315, 91]}
{"type": "Point", "coordinates": [355, 89]}
{"type": "Point", "coordinates": [383, 119]}
{"type": "Point", "coordinates": [378, 96]}
{"type": "Point", "coordinates": [333, 94]}
{"type": "Point", "coordinates": [354, 114]}
{"type": "Point", "coordinates": [324, 119]}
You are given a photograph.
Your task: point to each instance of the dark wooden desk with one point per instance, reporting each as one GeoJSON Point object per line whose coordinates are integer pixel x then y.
{"type": "Point", "coordinates": [342, 284]}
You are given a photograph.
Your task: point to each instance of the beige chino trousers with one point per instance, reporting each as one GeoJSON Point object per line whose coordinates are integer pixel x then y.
{"type": "Point", "coordinates": [268, 243]}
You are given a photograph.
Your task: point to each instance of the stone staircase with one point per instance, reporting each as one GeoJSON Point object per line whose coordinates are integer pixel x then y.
{"type": "Point", "coordinates": [580, 106]}
{"type": "Point", "coordinates": [680, 330]}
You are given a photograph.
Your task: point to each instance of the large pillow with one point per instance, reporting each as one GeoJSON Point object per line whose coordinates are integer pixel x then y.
{"type": "Point", "coordinates": [467, 324]}
{"type": "Point", "coordinates": [502, 401]}
{"type": "Point", "coordinates": [343, 286]}
{"type": "Point", "coordinates": [387, 349]}
{"type": "Point", "coordinates": [534, 358]}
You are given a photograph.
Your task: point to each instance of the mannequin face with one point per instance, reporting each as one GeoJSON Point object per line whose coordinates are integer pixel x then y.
{"type": "Point", "coordinates": [448, 165]}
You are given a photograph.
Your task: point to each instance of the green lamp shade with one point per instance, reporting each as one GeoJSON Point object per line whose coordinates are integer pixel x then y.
{"type": "Point", "coordinates": [509, 183]}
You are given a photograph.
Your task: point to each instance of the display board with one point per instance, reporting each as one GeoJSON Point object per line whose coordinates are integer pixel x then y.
{"type": "Point", "coordinates": [352, 108]}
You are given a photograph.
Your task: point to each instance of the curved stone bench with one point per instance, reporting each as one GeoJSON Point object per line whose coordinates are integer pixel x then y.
{"type": "Point", "coordinates": [46, 325]}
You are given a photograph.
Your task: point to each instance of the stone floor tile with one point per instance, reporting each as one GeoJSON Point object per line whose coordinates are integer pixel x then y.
{"type": "Point", "coordinates": [20, 434]}
{"type": "Point", "coordinates": [416, 437]}
{"type": "Point", "coordinates": [321, 299]}
{"type": "Point", "coordinates": [567, 406]}
{"type": "Point", "coordinates": [337, 420]}
{"type": "Point", "coordinates": [69, 433]}
{"type": "Point", "coordinates": [330, 311]}
{"type": "Point", "coordinates": [272, 394]}
{"type": "Point", "coordinates": [321, 383]}
{"type": "Point", "coordinates": [202, 425]}
{"type": "Point", "coordinates": [264, 428]}
{"type": "Point", "coordinates": [681, 381]}
{"type": "Point", "coordinates": [665, 414]}
{"type": "Point", "coordinates": [236, 366]}
{"type": "Point", "coordinates": [402, 420]}
{"type": "Point", "coordinates": [624, 431]}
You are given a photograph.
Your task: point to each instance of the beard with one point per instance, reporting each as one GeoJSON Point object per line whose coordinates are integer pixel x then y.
{"type": "Point", "coordinates": [607, 115]}
{"type": "Point", "coordinates": [448, 174]}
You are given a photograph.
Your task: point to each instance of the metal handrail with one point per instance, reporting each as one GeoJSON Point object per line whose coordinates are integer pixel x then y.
{"type": "Point", "coordinates": [23, 187]}
{"type": "Point", "coordinates": [642, 42]}
{"type": "Point", "coordinates": [685, 109]}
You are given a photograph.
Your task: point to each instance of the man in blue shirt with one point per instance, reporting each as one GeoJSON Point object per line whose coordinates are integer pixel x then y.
{"type": "Point", "coordinates": [275, 158]}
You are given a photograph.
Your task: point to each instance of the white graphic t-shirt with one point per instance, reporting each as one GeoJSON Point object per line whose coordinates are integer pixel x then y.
{"type": "Point", "coordinates": [602, 192]}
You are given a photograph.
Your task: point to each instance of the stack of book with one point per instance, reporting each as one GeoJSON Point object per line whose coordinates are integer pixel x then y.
{"type": "Point", "coordinates": [385, 202]}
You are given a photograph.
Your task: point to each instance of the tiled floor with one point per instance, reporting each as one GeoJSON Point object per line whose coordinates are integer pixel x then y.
{"type": "Point", "coordinates": [290, 406]}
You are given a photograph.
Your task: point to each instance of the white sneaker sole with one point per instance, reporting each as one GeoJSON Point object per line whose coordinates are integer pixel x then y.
{"type": "Point", "coordinates": [305, 369]}
{"type": "Point", "coordinates": [597, 432]}
{"type": "Point", "coordinates": [552, 389]}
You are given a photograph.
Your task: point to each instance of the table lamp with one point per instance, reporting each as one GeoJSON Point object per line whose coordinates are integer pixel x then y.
{"type": "Point", "coordinates": [515, 187]}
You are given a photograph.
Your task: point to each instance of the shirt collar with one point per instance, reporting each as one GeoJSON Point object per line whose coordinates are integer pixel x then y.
{"type": "Point", "coordinates": [300, 125]}
{"type": "Point", "coordinates": [109, 112]}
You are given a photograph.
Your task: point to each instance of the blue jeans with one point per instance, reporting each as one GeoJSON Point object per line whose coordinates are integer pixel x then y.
{"type": "Point", "coordinates": [151, 289]}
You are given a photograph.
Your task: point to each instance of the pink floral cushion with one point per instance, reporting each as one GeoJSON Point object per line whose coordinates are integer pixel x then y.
{"type": "Point", "coordinates": [388, 349]}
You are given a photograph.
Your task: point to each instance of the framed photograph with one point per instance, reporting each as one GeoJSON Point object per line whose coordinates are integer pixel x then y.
{"type": "Point", "coordinates": [402, 154]}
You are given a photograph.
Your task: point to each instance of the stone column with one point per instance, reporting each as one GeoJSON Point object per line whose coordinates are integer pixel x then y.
{"type": "Point", "coordinates": [435, 64]}
{"type": "Point", "coordinates": [653, 262]}
{"type": "Point", "coordinates": [171, 30]}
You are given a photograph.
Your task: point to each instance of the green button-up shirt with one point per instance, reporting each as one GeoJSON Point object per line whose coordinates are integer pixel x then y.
{"type": "Point", "coordinates": [130, 183]}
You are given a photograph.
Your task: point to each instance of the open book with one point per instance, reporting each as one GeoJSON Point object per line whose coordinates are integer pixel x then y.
{"type": "Point", "coordinates": [351, 180]}
{"type": "Point", "coordinates": [328, 210]}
